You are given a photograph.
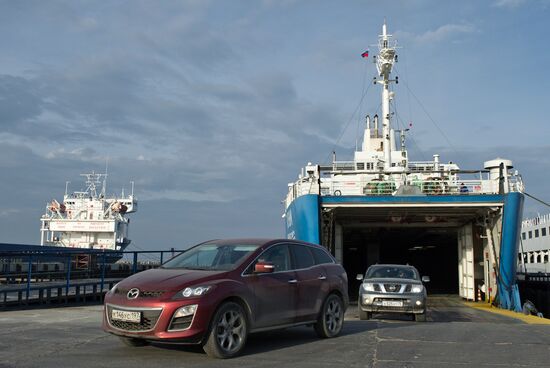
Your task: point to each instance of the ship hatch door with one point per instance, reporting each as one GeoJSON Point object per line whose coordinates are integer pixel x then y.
{"type": "Point", "coordinates": [466, 262]}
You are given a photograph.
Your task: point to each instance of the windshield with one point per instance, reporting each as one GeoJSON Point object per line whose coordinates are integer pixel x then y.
{"type": "Point", "coordinates": [214, 257]}
{"type": "Point", "coordinates": [393, 272]}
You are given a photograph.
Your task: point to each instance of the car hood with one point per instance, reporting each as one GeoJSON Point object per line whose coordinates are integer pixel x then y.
{"type": "Point", "coordinates": [168, 279]}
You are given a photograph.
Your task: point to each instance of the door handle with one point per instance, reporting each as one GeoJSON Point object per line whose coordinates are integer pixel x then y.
{"type": "Point", "coordinates": [322, 277]}
{"type": "Point", "coordinates": [293, 281]}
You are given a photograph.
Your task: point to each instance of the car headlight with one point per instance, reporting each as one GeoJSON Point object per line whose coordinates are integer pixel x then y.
{"type": "Point", "coordinates": [417, 288]}
{"type": "Point", "coordinates": [194, 291]}
{"type": "Point", "coordinates": [368, 286]}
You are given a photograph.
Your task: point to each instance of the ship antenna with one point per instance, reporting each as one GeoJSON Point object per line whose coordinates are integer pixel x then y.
{"type": "Point", "coordinates": [104, 188]}
{"type": "Point", "coordinates": [384, 64]}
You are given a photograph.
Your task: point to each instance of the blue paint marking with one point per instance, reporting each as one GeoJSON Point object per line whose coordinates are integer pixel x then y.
{"type": "Point", "coordinates": [511, 228]}
{"type": "Point", "coordinates": [302, 219]}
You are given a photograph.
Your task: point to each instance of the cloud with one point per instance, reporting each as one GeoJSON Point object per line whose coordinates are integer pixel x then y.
{"type": "Point", "coordinates": [20, 101]}
{"type": "Point", "coordinates": [210, 109]}
{"type": "Point", "coordinates": [189, 196]}
{"type": "Point", "coordinates": [7, 212]}
{"type": "Point", "coordinates": [444, 32]}
{"type": "Point", "coordinates": [510, 4]}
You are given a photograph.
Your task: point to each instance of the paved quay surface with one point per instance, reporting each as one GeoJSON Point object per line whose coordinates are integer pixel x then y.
{"type": "Point", "coordinates": [455, 335]}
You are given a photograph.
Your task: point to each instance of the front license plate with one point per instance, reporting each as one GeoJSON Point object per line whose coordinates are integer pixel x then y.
{"type": "Point", "coordinates": [126, 316]}
{"type": "Point", "coordinates": [392, 303]}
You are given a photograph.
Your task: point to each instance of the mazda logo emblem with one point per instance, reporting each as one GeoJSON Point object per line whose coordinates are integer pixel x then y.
{"type": "Point", "coordinates": [133, 293]}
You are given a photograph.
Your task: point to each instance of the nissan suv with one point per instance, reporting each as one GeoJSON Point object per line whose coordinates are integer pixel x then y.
{"type": "Point", "coordinates": [390, 288]}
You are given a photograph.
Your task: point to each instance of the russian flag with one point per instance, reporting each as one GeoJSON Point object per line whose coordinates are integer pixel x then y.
{"type": "Point", "coordinates": [365, 54]}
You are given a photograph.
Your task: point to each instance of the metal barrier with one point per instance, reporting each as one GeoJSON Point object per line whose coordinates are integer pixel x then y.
{"type": "Point", "coordinates": [60, 277]}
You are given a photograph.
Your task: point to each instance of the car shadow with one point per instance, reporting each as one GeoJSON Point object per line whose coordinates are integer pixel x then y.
{"type": "Point", "coordinates": [280, 339]}
{"type": "Point", "coordinates": [261, 342]}
{"type": "Point", "coordinates": [447, 309]}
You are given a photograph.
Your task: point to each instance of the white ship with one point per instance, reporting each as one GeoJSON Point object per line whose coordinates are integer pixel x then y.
{"type": "Point", "coordinates": [88, 219]}
{"type": "Point", "coordinates": [460, 227]}
{"type": "Point", "coordinates": [534, 251]}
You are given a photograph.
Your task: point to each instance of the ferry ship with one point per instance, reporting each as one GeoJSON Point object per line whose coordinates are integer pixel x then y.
{"type": "Point", "coordinates": [534, 266]}
{"type": "Point", "coordinates": [88, 219]}
{"type": "Point", "coordinates": [534, 252]}
{"type": "Point", "coordinates": [460, 227]}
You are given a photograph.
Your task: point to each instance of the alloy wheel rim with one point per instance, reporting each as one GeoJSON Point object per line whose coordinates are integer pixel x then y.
{"type": "Point", "coordinates": [333, 316]}
{"type": "Point", "coordinates": [230, 331]}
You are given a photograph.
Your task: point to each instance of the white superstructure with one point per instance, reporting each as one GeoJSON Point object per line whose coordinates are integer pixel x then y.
{"type": "Point", "coordinates": [380, 167]}
{"type": "Point", "coordinates": [88, 219]}
{"type": "Point", "coordinates": [534, 251]}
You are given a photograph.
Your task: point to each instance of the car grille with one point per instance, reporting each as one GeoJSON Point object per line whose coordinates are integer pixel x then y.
{"type": "Point", "coordinates": [148, 321]}
{"type": "Point", "coordinates": [392, 288]}
{"type": "Point", "coordinates": [151, 294]}
{"type": "Point", "coordinates": [143, 293]}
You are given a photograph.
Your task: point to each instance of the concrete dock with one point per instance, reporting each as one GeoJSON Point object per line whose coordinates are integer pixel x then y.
{"type": "Point", "coordinates": [455, 335]}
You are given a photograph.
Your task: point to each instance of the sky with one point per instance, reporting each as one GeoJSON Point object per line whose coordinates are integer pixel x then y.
{"type": "Point", "coordinates": [212, 107]}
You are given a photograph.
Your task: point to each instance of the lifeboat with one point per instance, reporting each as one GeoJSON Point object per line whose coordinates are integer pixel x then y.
{"type": "Point", "coordinates": [119, 207]}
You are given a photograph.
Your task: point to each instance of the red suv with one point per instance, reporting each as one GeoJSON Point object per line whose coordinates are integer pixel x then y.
{"type": "Point", "coordinates": [218, 292]}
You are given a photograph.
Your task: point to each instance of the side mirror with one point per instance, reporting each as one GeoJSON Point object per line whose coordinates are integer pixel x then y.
{"type": "Point", "coordinates": [425, 278]}
{"type": "Point", "coordinates": [359, 277]}
{"type": "Point", "coordinates": [264, 267]}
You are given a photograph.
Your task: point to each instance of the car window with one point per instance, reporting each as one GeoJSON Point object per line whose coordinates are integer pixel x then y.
{"type": "Point", "coordinates": [321, 256]}
{"type": "Point", "coordinates": [211, 256]}
{"type": "Point", "coordinates": [394, 272]}
{"type": "Point", "coordinates": [302, 256]}
{"type": "Point", "coordinates": [278, 255]}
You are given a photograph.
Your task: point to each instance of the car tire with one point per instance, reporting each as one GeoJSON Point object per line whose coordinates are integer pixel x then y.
{"type": "Point", "coordinates": [228, 332]}
{"type": "Point", "coordinates": [130, 341]}
{"type": "Point", "coordinates": [421, 317]}
{"type": "Point", "coordinates": [331, 318]}
{"type": "Point", "coordinates": [363, 315]}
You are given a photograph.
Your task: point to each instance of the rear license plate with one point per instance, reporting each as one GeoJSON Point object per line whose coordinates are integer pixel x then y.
{"type": "Point", "coordinates": [126, 316]}
{"type": "Point", "coordinates": [392, 303]}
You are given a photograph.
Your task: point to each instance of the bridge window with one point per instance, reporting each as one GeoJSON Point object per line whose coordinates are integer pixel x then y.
{"type": "Point", "coordinates": [543, 231]}
{"type": "Point", "coordinates": [530, 234]}
{"type": "Point", "coordinates": [523, 236]}
{"type": "Point", "coordinates": [536, 233]}
{"type": "Point", "coordinates": [360, 166]}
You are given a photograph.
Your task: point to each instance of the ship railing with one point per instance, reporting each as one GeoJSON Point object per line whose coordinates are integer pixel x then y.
{"type": "Point", "coordinates": [43, 277]}
{"type": "Point", "coordinates": [428, 182]}
{"type": "Point", "coordinates": [535, 221]}
{"type": "Point", "coordinates": [413, 166]}
{"type": "Point", "coordinates": [434, 186]}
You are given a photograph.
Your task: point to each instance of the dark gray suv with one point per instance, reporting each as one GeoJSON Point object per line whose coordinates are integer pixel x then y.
{"type": "Point", "coordinates": [389, 288]}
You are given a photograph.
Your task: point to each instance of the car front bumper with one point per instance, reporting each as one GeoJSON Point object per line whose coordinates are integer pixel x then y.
{"type": "Point", "coordinates": [393, 303]}
{"type": "Point", "coordinates": [158, 322]}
